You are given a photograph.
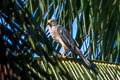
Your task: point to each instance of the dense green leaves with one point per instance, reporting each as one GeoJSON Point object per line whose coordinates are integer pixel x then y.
{"type": "Point", "coordinates": [27, 35]}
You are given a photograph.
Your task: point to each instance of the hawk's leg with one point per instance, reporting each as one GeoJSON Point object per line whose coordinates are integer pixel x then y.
{"type": "Point", "coordinates": [63, 53]}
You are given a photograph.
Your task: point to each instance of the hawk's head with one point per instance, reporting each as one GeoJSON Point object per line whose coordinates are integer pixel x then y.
{"type": "Point", "coordinates": [52, 22]}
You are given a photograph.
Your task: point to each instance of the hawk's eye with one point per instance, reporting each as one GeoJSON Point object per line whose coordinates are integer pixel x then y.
{"type": "Point", "coordinates": [52, 22]}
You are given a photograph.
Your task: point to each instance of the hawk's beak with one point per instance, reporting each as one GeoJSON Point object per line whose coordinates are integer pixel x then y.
{"type": "Point", "coordinates": [49, 22]}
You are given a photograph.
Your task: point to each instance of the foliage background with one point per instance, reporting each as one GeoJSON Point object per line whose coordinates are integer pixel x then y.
{"type": "Point", "coordinates": [23, 33]}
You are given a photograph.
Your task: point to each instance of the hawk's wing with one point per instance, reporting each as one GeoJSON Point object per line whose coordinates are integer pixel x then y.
{"type": "Point", "coordinates": [71, 43]}
{"type": "Point", "coordinates": [65, 36]}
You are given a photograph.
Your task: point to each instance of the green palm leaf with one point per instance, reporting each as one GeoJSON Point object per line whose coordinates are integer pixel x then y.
{"type": "Point", "coordinates": [27, 35]}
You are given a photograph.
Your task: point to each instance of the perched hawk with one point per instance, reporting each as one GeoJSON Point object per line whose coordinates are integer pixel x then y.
{"type": "Point", "coordinates": [62, 36]}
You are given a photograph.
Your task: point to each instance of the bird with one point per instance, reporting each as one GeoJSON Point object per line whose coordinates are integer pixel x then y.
{"type": "Point", "coordinates": [63, 37]}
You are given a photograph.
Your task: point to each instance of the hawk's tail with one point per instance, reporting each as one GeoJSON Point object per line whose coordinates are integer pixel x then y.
{"type": "Point", "coordinates": [83, 58]}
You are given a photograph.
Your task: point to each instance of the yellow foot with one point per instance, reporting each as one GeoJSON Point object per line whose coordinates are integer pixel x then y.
{"type": "Point", "coordinates": [64, 57]}
{"type": "Point", "coordinates": [60, 55]}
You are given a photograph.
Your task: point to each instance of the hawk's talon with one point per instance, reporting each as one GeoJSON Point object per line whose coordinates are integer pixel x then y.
{"type": "Point", "coordinates": [64, 57]}
{"type": "Point", "coordinates": [60, 55]}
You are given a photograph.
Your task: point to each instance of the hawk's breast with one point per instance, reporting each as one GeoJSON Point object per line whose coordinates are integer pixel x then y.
{"type": "Point", "coordinates": [55, 35]}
